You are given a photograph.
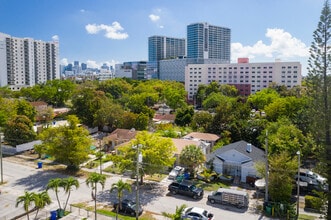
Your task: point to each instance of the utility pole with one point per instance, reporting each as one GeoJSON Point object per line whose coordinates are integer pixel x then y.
{"type": "Point", "coordinates": [139, 160]}
{"type": "Point", "coordinates": [298, 184]}
{"type": "Point", "coordinates": [266, 168]}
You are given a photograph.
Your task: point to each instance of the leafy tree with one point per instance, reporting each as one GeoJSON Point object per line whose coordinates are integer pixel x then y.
{"type": "Point", "coordinates": [57, 92]}
{"type": "Point", "coordinates": [26, 199]}
{"type": "Point", "coordinates": [32, 94]}
{"type": "Point", "coordinates": [282, 168]}
{"type": "Point", "coordinates": [178, 213]}
{"type": "Point", "coordinates": [175, 95]}
{"type": "Point", "coordinates": [41, 200]}
{"type": "Point", "coordinates": [19, 130]}
{"type": "Point", "coordinates": [158, 153]}
{"type": "Point", "coordinates": [285, 136]}
{"type": "Point", "coordinates": [192, 157]}
{"type": "Point", "coordinates": [116, 87]}
{"type": "Point", "coordinates": [25, 108]}
{"type": "Point", "coordinates": [69, 144]}
{"type": "Point", "coordinates": [92, 181]}
{"type": "Point", "coordinates": [184, 116]}
{"type": "Point", "coordinates": [201, 121]}
{"type": "Point", "coordinates": [109, 114]}
{"type": "Point", "coordinates": [319, 83]}
{"type": "Point", "coordinates": [86, 101]}
{"type": "Point", "coordinates": [212, 101]}
{"type": "Point", "coordinates": [120, 186]}
{"type": "Point", "coordinates": [7, 110]}
{"type": "Point", "coordinates": [262, 98]}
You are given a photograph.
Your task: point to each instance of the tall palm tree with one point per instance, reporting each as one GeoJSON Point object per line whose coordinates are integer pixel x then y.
{"type": "Point", "coordinates": [26, 199]}
{"type": "Point", "coordinates": [92, 181]}
{"type": "Point", "coordinates": [177, 215]}
{"type": "Point", "coordinates": [120, 186]}
{"type": "Point", "coordinates": [55, 184]}
{"type": "Point", "coordinates": [41, 200]}
{"type": "Point", "coordinates": [67, 185]}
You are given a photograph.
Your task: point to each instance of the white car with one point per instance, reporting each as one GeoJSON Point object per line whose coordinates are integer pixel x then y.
{"type": "Point", "coordinates": [195, 213]}
{"type": "Point", "coordinates": [178, 170]}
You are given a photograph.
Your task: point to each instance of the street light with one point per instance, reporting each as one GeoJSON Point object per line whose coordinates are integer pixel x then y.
{"type": "Point", "coordinates": [298, 184]}
{"type": "Point", "coordinates": [139, 161]}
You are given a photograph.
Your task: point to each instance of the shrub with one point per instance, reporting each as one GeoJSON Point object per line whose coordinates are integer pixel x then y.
{"type": "Point", "coordinates": [312, 202]}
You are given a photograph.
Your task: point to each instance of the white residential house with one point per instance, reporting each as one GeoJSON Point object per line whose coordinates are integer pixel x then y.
{"type": "Point", "coordinates": [237, 159]}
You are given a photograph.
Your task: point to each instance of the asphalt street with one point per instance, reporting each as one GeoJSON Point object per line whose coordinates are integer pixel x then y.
{"type": "Point", "coordinates": [153, 196]}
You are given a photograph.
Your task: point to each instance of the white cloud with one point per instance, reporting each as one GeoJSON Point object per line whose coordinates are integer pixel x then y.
{"type": "Point", "coordinates": [64, 61]}
{"type": "Point", "coordinates": [282, 45]}
{"type": "Point", "coordinates": [154, 18]}
{"type": "Point", "coordinates": [95, 64]}
{"type": "Point", "coordinates": [111, 31]}
{"type": "Point", "coordinates": [55, 38]}
{"type": "Point", "coordinates": [82, 10]}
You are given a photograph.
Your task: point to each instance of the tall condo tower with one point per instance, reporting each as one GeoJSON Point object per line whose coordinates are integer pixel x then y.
{"type": "Point", "coordinates": [205, 41]}
{"type": "Point", "coordinates": [25, 62]}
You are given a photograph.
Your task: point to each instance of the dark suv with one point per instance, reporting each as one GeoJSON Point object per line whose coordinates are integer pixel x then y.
{"type": "Point", "coordinates": [186, 188]}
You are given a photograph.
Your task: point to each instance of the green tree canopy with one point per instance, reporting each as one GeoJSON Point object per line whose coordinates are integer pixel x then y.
{"type": "Point", "coordinates": [262, 98]}
{"type": "Point", "coordinates": [282, 169]}
{"type": "Point", "coordinates": [19, 130]}
{"type": "Point", "coordinates": [69, 144]}
{"type": "Point", "coordinates": [157, 152]}
{"type": "Point", "coordinates": [285, 136]}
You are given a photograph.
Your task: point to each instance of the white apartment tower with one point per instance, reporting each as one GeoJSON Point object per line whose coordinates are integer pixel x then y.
{"type": "Point", "coordinates": [25, 62]}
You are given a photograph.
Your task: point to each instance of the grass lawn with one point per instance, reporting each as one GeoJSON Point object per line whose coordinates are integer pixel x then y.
{"type": "Point", "coordinates": [306, 217]}
{"type": "Point", "coordinates": [108, 211]}
{"type": "Point", "coordinates": [212, 186]}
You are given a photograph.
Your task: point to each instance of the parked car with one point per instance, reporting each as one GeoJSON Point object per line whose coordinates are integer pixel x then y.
{"type": "Point", "coordinates": [128, 207]}
{"type": "Point", "coordinates": [195, 213]}
{"type": "Point", "coordinates": [176, 171]}
{"type": "Point", "coordinates": [233, 197]}
{"type": "Point", "coordinates": [186, 188]}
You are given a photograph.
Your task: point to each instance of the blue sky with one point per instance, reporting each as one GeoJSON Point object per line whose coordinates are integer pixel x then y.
{"type": "Point", "coordinates": [109, 31]}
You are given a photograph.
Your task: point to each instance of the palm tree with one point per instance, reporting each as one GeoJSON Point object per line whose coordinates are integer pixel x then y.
{"type": "Point", "coordinates": [26, 199]}
{"type": "Point", "coordinates": [41, 200]}
{"type": "Point", "coordinates": [120, 186]}
{"type": "Point", "coordinates": [192, 157]}
{"type": "Point", "coordinates": [55, 184]}
{"type": "Point", "coordinates": [67, 185]}
{"type": "Point", "coordinates": [93, 180]}
{"type": "Point", "coordinates": [177, 215]}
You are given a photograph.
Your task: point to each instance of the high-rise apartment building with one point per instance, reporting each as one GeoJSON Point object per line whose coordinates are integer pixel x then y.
{"type": "Point", "coordinates": [160, 48]}
{"type": "Point", "coordinates": [247, 77]}
{"type": "Point", "coordinates": [25, 62]}
{"type": "Point", "coordinates": [208, 42]}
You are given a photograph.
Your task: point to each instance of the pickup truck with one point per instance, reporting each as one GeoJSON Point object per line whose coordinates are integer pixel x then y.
{"type": "Point", "coordinates": [233, 197]}
{"type": "Point", "coordinates": [186, 188]}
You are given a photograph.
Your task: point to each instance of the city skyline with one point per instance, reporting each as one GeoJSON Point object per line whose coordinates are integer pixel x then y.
{"type": "Point", "coordinates": [107, 31]}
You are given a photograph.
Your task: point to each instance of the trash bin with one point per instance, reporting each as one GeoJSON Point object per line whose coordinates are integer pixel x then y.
{"type": "Point", "coordinates": [60, 213]}
{"type": "Point", "coordinates": [268, 210]}
{"type": "Point", "coordinates": [40, 164]}
{"type": "Point", "coordinates": [53, 215]}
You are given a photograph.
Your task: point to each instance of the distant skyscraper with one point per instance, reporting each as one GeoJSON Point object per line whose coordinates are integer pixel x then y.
{"type": "Point", "coordinates": [160, 48]}
{"type": "Point", "coordinates": [208, 42]}
{"type": "Point", "coordinates": [84, 66]}
{"type": "Point", "coordinates": [25, 62]}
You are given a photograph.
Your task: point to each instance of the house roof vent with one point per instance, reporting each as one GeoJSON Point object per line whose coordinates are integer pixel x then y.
{"type": "Point", "coordinates": [249, 147]}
